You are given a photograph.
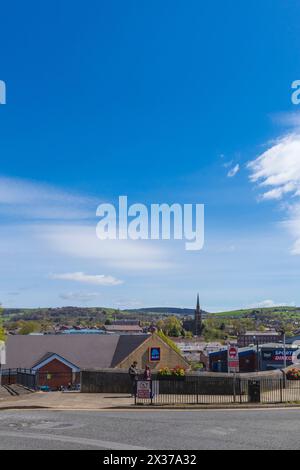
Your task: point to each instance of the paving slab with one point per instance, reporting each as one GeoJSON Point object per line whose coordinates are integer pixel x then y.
{"type": "Point", "coordinates": [67, 401]}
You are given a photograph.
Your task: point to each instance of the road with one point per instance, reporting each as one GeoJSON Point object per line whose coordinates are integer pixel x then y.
{"type": "Point", "coordinates": [130, 430]}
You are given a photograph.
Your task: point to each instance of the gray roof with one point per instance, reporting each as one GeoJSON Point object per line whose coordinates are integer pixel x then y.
{"type": "Point", "coordinates": [277, 346]}
{"type": "Point", "coordinates": [128, 328]}
{"type": "Point", "coordinates": [84, 351]}
{"type": "Point", "coordinates": [261, 333]}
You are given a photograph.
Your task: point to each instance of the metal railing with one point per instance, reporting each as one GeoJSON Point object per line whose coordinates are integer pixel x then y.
{"type": "Point", "coordinates": [36, 380]}
{"type": "Point", "coordinates": [210, 390]}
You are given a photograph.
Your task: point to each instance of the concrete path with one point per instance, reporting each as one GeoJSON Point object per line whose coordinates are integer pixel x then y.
{"type": "Point", "coordinates": [66, 401]}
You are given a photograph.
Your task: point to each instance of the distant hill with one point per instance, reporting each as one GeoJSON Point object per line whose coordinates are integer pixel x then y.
{"type": "Point", "coordinates": [101, 314]}
{"type": "Point", "coordinates": [165, 311]}
{"type": "Point", "coordinates": [266, 311]}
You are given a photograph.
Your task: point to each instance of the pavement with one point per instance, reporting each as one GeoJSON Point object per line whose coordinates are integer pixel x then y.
{"type": "Point", "coordinates": [65, 401]}
{"type": "Point", "coordinates": [150, 430]}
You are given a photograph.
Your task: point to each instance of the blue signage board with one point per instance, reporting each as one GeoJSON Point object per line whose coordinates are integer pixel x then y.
{"type": "Point", "coordinates": [154, 354]}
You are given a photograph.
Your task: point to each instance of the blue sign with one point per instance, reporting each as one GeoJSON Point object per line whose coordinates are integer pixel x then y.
{"type": "Point", "coordinates": [155, 354]}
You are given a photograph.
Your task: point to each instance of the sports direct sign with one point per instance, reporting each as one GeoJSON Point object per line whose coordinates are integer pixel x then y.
{"type": "Point", "coordinates": [233, 358]}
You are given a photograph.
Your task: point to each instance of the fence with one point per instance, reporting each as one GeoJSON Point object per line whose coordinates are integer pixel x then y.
{"type": "Point", "coordinates": [36, 380]}
{"type": "Point", "coordinates": [25, 377]}
{"type": "Point", "coordinates": [231, 390]}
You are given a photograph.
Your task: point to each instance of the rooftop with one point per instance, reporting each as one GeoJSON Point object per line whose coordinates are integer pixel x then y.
{"type": "Point", "coordinates": [84, 351]}
{"type": "Point", "coordinates": [262, 333]}
{"type": "Point", "coordinates": [128, 328]}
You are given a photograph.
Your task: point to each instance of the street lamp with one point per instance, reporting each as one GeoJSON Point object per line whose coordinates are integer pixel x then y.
{"type": "Point", "coordinates": [255, 339]}
{"type": "Point", "coordinates": [284, 347]}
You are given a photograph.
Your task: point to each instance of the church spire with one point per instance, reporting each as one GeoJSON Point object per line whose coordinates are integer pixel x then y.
{"type": "Point", "coordinates": [198, 319]}
{"type": "Point", "coordinates": [198, 303]}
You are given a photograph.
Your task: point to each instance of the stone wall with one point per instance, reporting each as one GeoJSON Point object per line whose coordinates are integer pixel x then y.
{"type": "Point", "coordinates": [105, 381]}
{"type": "Point", "coordinates": [118, 381]}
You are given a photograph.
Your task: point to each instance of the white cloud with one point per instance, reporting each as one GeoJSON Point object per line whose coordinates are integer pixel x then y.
{"type": "Point", "coordinates": [79, 296]}
{"type": "Point", "coordinates": [231, 173]}
{"type": "Point", "coordinates": [290, 120]}
{"type": "Point", "coordinates": [98, 279]}
{"type": "Point", "coordinates": [80, 241]}
{"type": "Point", "coordinates": [31, 200]}
{"type": "Point", "coordinates": [277, 173]}
{"type": "Point", "coordinates": [278, 168]}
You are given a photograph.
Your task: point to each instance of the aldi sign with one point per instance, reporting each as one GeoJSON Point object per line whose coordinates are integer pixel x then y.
{"type": "Point", "coordinates": [154, 354]}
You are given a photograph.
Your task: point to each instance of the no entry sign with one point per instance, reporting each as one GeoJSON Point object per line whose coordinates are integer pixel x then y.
{"type": "Point", "coordinates": [233, 358]}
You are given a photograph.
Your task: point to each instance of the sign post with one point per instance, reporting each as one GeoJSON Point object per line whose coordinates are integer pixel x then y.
{"type": "Point", "coordinates": [233, 364]}
{"type": "Point", "coordinates": [233, 358]}
{"type": "Point", "coordinates": [143, 389]}
{"type": "Point", "coordinates": [2, 359]}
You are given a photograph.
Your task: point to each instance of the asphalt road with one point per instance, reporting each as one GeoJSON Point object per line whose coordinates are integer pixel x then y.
{"type": "Point", "coordinates": [130, 430]}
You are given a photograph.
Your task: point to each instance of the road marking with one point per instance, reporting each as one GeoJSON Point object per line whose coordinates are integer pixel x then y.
{"type": "Point", "coordinates": [146, 410]}
{"type": "Point", "coordinates": [73, 440]}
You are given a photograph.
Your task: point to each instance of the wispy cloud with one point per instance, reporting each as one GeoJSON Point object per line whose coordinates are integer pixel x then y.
{"type": "Point", "coordinates": [233, 171]}
{"type": "Point", "coordinates": [80, 241]}
{"type": "Point", "coordinates": [288, 120]}
{"type": "Point", "coordinates": [277, 171]}
{"type": "Point", "coordinates": [277, 174]}
{"type": "Point", "coordinates": [98, 279]}
{"type": "Point", "coordinates": [79, 296]}
{"type": "Point", "coordinates": [31, 200]}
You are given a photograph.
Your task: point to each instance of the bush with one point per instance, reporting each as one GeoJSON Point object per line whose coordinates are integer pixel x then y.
{"type": "Point", "coordinates": [293, 374]}
{"type": "Point", "coordinates": [176, 372]}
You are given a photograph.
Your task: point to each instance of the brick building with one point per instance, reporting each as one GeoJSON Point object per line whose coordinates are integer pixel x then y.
{"type": "Point", "coordinates": [258, 337]}
{"type": "Point", "coordinates": [58, 359]}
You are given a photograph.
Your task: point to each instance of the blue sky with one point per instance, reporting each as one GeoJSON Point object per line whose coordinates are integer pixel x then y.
{"type": "Point", "coordinates": [163, 102]}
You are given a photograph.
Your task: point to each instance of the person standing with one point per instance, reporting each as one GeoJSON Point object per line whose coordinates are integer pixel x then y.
{"type": "Point", "coordinates": [133, 374]}
{"type": "Point", "coordinates": [147, 373]}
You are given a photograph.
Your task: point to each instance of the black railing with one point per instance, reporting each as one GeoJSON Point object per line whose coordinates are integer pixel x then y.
{"type": "Point", "coordinates": [25, 377]}
{"type": "Point", "coordinates": [214, 390]}
{"type": "Point", "coordinates": [36, 380]}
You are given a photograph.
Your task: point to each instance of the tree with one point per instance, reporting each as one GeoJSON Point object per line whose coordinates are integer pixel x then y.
{"type": "Point", "coordinates": [2, 331]}
{"type": "Point", "coordinates": [171, 326]}
{"type": "Point", "coordinates": [28, 327]}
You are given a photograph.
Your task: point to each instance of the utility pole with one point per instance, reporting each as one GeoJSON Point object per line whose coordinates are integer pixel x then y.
{"type": "Point", "coordinates": [284, 349]}
{"type": "Point", "coordinates": [257, 354]}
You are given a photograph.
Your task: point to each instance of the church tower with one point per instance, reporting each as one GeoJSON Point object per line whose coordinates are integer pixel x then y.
{"type": "Point", "coordinates": [198, 319]}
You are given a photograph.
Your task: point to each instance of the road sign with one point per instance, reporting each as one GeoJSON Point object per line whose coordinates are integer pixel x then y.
{"type": "Point", "coordinates": [143, 389]}
{"type": "Point", "coordinates": [233, 358]}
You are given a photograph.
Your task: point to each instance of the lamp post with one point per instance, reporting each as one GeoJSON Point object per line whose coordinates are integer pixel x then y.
{"type": "Point", "coordinates": [255, 339]}
{"type": "Point", "coordinates": [284, 348]}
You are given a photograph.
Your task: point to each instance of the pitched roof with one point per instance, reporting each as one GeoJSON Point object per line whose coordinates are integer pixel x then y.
{"type": "Point", "coordinates": [84, 351]}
